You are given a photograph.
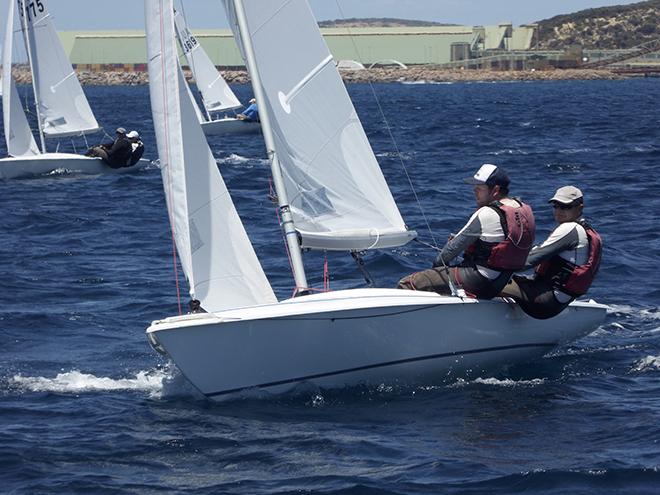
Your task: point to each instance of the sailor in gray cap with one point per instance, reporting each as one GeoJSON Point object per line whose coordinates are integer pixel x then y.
{"type": "Point", "coordinates": [565, 263]}
{"type": "Point", "coordinates": [494, 242]}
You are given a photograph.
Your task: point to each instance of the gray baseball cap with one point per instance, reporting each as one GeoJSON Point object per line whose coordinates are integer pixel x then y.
{"type": "Point", "coordinates": [567, 195]}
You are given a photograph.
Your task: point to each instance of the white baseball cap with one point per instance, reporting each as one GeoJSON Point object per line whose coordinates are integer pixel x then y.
{"type": "Point", "coordinates": [132, 134]}
{"type": "Point", "coordinates": [567, 195]}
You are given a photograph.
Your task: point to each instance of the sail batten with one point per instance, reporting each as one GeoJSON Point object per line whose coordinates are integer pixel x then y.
{"type": "Point", "coordinates": [329, 168]}
{"type": "Point", "coordinates": [215, 253]}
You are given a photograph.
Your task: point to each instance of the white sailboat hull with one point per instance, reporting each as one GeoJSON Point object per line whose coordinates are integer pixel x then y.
{"type": "Point", "coordinates": [28, 166]}
{"type": "Point", "coordinates": [360, 336]}
{"type": "Point", "coordinates": [230, 125]}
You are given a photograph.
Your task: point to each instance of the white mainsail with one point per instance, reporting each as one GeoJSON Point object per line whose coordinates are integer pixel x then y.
{"type": "Point", "coordinates": [19, 138]}
{"type": "Point", "coordinates": [63, 107]}
{"type": "Point", "coordinates": [219, 262]}
{"type": "Point", "coordinates": [337, 192]}
{"type": "Point", "coordinates": [216, 93]}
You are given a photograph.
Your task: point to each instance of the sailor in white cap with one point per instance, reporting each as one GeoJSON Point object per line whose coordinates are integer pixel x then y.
{"type": "Point", "coordinates": [566, 262]}
{"type": "Point", "coordinates": [494, 242]}
{"type": "Point", "coordinates": [137, 148]}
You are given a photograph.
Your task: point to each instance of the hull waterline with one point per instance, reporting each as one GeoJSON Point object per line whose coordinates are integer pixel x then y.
{"type": "Point", "coordinates": [360, 336]}
{"type": "Point", "coordinates": [20, 167]}
{"type": "Point", "coordinates": [230, 126]}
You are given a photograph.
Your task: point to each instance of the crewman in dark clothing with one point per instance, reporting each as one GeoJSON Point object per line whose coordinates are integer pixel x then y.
{"type": "Point", "coordinates": [137, 147]}
{"type": "Point", "coordinates": [566, 263]}
{"type": "Point", "coordinates": [116, 154]}
{"type": "Point", "coordinates": [495, 242]}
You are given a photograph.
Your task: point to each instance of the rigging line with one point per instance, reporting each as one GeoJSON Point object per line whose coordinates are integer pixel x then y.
{"type": "Point", "coordinates": [164, 87]}
{"type": "Point", "coordinates": [389, 130]}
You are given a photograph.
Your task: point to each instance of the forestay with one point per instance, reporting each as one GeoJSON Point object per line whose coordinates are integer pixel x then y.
{"type": "Point", "coordinates": [215, 252]}
{"type": "Point", "coordinates": [63, 106]}
{"type": "Point", "coordinates": [216, 94]}
{"type": "Point", "coordinates": [337, 192]}
{"type": "Point", "coordinates": [18, 136]}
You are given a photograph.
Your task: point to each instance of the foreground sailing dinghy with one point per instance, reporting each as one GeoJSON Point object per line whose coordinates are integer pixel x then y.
{"type": "Point", "coordinates": [217, 96]}
{"type": "Point", "coordinates": [332, 196]}
{"type": "Point", "coordinates": [62, 108]}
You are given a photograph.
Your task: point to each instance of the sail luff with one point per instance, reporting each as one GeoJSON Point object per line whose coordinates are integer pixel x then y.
{"type": "Point", "coordinates": [30, 55]}
{"type": "Point", "coordinates": [290, 233]}
{"type": "Point", "coordinates": [18, 136]}
{"type": "Point", "coordinates": [215, 252]}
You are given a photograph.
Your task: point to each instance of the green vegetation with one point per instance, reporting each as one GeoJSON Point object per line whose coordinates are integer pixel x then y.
{"type": "Point", "coordinates": [620, 26]}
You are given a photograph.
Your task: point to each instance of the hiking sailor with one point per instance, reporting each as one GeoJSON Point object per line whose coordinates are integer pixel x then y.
{"type": "Point", "coordinates": [566, 263]}
{"type": "Point", "coordinates": [496, 241]}
{"type": "Point", "coordinates": [251, 113]}
{"type": "Point", "coordinates": [115, 154]}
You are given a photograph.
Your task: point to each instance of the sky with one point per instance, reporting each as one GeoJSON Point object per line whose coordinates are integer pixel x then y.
{"type": "Point", "coordinates": [83, 15]}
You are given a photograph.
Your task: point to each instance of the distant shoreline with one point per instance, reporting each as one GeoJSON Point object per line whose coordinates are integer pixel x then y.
{"type": "Point", "coordinates": [378, 75]}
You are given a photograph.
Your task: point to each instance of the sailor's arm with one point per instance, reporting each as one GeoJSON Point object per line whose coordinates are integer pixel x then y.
{"type": "Point", "coordinates": [461, 241]}
{"type": "Point", "coordinates": [563, 238]}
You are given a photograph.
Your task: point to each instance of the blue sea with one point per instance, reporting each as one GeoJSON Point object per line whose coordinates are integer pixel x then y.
{"type": "Point", "coordinates": [87, 407]}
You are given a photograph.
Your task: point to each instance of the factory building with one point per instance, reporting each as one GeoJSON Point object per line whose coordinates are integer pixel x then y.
{"type": "Point", "coordinates": [368, 45]}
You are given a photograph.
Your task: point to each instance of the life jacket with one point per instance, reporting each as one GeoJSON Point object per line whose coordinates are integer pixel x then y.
{"type": "Point", "coordinates": [519, 226]}
{"type": "Point", "coordinates": [568, 277]}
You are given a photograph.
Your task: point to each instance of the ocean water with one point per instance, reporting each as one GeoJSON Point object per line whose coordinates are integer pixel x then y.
{"type": "Point", "coordinates": [87, 407]}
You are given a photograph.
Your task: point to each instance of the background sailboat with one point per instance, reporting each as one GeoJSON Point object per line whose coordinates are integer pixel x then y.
{"type": "Point", "coordinates": [217, 96]}
{"type": "Point", "coordinates": [61, 106]}
{"type": "Point", "coordinates": [331, 195]}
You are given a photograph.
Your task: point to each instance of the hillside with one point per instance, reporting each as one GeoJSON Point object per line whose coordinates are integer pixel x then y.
{"type": "Point", "coordinates": [621, 26]}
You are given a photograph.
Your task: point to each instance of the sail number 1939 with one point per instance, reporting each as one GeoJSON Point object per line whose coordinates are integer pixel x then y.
{"type": "Point", "coordinates": [189, 43]}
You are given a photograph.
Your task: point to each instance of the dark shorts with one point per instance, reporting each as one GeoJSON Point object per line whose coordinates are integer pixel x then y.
{"type": "Point", "coordinates": [467, 278]}
{"type": "Point", "coordinates": [538, 298]}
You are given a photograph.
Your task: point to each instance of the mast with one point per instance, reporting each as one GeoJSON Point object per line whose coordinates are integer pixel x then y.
{"type": "Point", "coordinates": [34, 83]}
{"type": "Point", "coordinates": [278, 181]}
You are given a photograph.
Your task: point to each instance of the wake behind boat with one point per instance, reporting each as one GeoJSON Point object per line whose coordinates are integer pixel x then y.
{"type": "Point", "coordinates": [61, 106]}
{"type": "Point", "coordinates": [332, 196]}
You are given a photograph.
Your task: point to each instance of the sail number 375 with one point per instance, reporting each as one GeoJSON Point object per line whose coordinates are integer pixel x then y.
{"type": "Point", "coordinates": [32, 8]}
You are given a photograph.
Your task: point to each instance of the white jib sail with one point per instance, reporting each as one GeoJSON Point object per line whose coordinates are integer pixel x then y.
{"type": "Point", "coordinates": [337, 192]}
{"type": "Point", "coordinates": [216, 93]}
{"type": "Point", "coordinates": [220, 264]}
{"type": "Point", "coordinates": [62, 104]}
{"type": "Point", "coordinates": [19, 138]}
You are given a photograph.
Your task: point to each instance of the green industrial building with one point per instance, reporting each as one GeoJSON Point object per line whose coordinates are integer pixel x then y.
{"type": "Point", "coordinates": [407, 45]}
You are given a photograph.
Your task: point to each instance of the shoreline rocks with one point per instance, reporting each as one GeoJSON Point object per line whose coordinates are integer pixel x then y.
{"type": "Point", "coordinates": [375, 75]}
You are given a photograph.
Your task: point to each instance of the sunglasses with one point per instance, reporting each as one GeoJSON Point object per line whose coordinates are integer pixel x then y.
{"type": "Point", "coordinates": [562, 206]}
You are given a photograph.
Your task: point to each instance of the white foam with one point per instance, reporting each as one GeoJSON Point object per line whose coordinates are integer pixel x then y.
{"type": "Point", "coordinates": [648, 363]}
{"type": "Point", "coordinates": [499, 383]}
{"type": "Point", "coordinates": [510, 383]}
{"type": "Point", "coordinates": [423, 81]}
{"type": "Point", "coordinates": [76, 382]}
{"type": "Point", "coordinates": [233, 159]}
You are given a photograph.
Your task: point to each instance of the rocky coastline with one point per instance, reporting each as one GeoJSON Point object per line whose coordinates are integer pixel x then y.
{"type": "Point", "coordinates": [378, 75]}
